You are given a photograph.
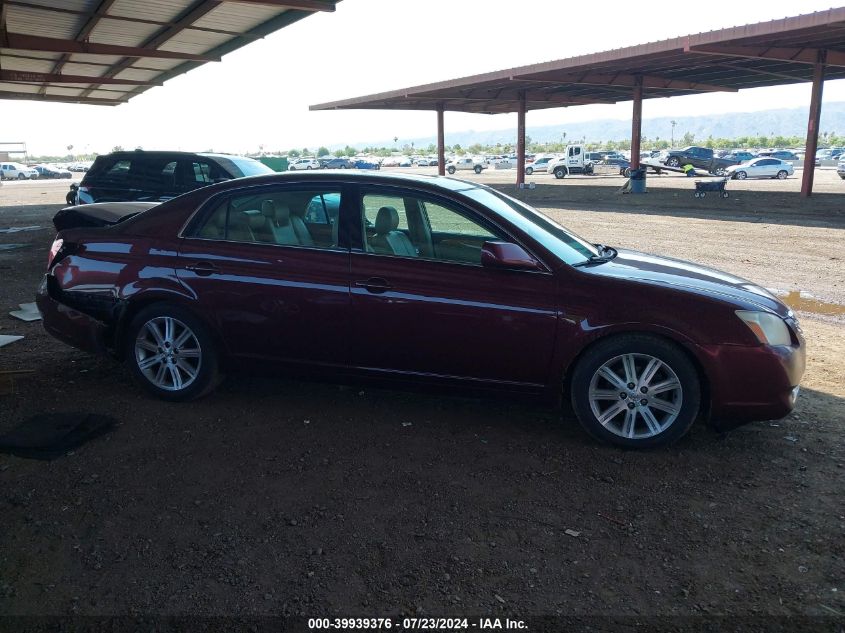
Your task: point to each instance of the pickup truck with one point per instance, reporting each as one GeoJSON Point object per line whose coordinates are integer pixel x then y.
{"type": "Point", "coordinates": [698, 157]}
{"type": "Point", "coordinates": [457, 164]}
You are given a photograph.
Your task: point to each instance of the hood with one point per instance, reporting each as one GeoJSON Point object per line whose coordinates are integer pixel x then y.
{"type": "Point", "coordinates": [687, 277]}
{"type": "Point", "coordinates": [98, 214]}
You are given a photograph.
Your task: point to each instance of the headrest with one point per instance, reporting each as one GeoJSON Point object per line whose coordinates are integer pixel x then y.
{"type": "Point", "coordinates": [278, 212]}
{"type": "Point", "coordinates": [387, 220]}
{"type": "Point", "coordinates": [251, 218]}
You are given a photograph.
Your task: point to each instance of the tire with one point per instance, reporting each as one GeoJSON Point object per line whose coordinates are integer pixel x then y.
{"type": "Point", "coordinates": [626, 172]}
{"type": "Point", "coordinates": [725, 194]}
{"type": "Point", "coordinates": [529, 171]}
{"type": "Point", "coordinates": [560, 172]}
{"type": "Point", "coordinates": [741, 175]}
{"type": "Point", "coordinates": [720, 171]}
{"type": "Point", "coordinates": [451, 170]}
{"type": "Point", "coordinates": [594, 396]}
{"type": "Point", "coordinates": [309, 167]}
{"type": "Point", "coordinates": [696, 195]}
{"type": "Point", "coordinates": [782, 175]}
{"type": "Point", "coordinates": [70, 198]}
{"type": "Point", "coordinates": [703, 194]}
{"type": "Point", "coordinates": [21, 177]}
{"type": "Point", "coordinates": [183, 346]}
{"type": "Point", "coordinates": [477, 169]}
{"type": "Point", "coordinates": [673, 161]}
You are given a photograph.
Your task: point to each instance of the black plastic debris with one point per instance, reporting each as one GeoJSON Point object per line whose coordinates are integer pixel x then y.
{"type": "Point", "coordinates": [50, 435]}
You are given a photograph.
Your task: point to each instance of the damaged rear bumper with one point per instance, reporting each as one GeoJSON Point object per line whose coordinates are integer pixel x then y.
{"type": "Point", "coordinates": [68, 324]}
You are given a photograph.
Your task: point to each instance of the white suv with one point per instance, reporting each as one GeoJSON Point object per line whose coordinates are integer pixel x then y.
{"type": "Point", "coordinates": [304, 163]}
{"type": "Point", "coordinates": [16, 171]}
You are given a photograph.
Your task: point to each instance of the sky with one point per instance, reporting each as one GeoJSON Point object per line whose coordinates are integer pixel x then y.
{"type": "Point", "coordinates": [258, 96]}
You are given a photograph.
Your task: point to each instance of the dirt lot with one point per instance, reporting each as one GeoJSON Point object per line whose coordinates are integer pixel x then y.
{"type": "Point", "coordinates": [273, 496]}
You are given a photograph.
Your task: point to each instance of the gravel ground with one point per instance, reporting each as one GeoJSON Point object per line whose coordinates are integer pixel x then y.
{"type": "Point", "coordinates": [282, 497]}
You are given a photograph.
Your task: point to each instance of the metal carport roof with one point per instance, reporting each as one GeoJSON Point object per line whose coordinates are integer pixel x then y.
{"type": "Point", "coordinates": [752, 56]}
{"type": "Point", "coordinates": [105, 52]}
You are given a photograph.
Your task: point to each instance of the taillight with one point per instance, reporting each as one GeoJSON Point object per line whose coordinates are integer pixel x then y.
{"type": "Point", "coordinates": [54, 250]}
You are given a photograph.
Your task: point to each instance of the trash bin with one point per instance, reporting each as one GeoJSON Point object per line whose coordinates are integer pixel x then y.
{"type": "Point", "coordinates": [638, 180]}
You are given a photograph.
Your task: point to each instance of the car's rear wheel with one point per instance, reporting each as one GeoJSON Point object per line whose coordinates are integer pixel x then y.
{"type": "Point", "coordinates": [21, 177]}
{"type": "Point", "coordinates": [741, 175]}
{"type": "Point", "coordinates": [171, 354]}
{"type": "Point", "coordinates": [782, 174]}
{"type": "Point", "coordinates": [477, 169]}
{"type": "Point", "coordinates": [636, 391]}
{"type": "Point", "coordinates": [451, 170]}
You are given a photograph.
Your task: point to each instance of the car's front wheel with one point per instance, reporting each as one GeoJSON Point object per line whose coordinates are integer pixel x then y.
{"type": "Point", "coordinates": [171, 354]}
{"type": "Point", "coordinates": [560, 172]}
{"type": "Point", "coordinates": [529, 170]}
{"type": "Point", "coordinates": [451, 170]}
{"type": "Point", "coordinates": [636, 391]}
{"type": "Point", "coordinates": [477, 169]}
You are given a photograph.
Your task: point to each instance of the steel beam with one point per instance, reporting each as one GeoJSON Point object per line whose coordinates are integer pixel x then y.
{"type": "Point", "coordinates": [626, 80]}
{"type": "Point", "coordinates": [813, 126]}
{"type": "Point", "coordinates": [636, 125]}
{"type": "Point", "coordinates": [33, 96]}
{"type": "Point", "coordinates": [778, 53]}
{"type": "Point", "coordinates": [299, 5]}
{"type": "Point", "coordinates": [24, 42]}
{"type": "Point", "coordinates": [520, 141]}
{"type": "Point", "coordinates": [55, 78]}
{"type": "Point", "coordinates": [441, 143]}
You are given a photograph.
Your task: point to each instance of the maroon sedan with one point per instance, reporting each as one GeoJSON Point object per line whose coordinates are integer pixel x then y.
{"type": "Point", "coordinates": [424, 279]}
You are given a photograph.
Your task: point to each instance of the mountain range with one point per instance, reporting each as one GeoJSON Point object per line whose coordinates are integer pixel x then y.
{"type": "Point", "coordinates": [782, 121]}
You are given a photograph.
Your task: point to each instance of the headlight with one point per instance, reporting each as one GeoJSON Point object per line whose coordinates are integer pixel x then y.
{"type": "Point", "coordinates": [769, 328]}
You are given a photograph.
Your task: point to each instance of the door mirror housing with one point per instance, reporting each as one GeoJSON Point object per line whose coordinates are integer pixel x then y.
{"type": "Point", "coordinates": [507, 255]}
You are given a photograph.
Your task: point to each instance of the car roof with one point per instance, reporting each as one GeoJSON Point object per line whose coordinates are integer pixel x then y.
{"type": "Point", "coordinates": [142, 153]}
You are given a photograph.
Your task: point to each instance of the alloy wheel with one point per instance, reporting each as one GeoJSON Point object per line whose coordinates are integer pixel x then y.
{"type": "Point", "coordinates": [635, 396]}
{"type": "Point", "coordinates": [168, 353]}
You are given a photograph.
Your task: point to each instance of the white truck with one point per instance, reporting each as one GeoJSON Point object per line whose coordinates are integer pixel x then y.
{"type": "Point", "coordinates": [457, 164]}
{"type": "Point", "coordinates": [573, 161]}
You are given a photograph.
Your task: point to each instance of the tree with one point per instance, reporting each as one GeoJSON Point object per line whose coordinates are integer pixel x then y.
{"type": "Point", "coordinates": [294, 153]}
{"type": "Point", "coordinates": [349, 151]}
{"type": "Point", "coordinates": [323, 151]}
{"type": "Point", "coordinates": [116, 148]}
{"type": "Point", "coordinates": [689, 138]}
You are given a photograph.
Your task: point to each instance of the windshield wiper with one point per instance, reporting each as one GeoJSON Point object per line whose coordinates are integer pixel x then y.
{"type": "Point", "coordinates": [606, 253]}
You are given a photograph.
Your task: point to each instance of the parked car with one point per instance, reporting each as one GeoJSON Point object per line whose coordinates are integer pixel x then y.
{"type": "Point", "coordinates": [700, 157]}
{"type": "Point", "coordinates": [304, 163]}
{"type": "Point", "coordinates": [314, 271]}
{"type": "Point", "coordinates": [364, 163]}
{"type": "Point", "coordinates": [17, 171]}
{"type": "Point", "coordinates": [539, 165]}
{"type": "Point", "coordinates": [780, 154]}
{"type": "Point", "coordinates": [339, 163]}
{"type": "Point", "coordinates": [51, 171]}
{"type": "Point", "coordinates": [79, 167]}
{"type": "Point", "coordinates": [840, 169]}
{"type": "Point", "coordinates": [157, 176]}
{"type": "Point", "coordinates": [761, 168]}
{"type": "Point", "coordinates": [739, 156]}
{"type": "Point", "coordinates": [464, 164]}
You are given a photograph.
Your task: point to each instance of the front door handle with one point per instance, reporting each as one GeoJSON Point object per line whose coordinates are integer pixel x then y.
{"type": "Point", "coordinates": [376, 285]}
{"type": "Point", "coordinates": [203, 269]}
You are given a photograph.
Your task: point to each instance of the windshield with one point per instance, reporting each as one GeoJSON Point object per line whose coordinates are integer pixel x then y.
{"type": "Point", "coordinates": [564, 244]}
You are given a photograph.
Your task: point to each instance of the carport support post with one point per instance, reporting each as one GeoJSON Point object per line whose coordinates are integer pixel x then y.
{"type": "Point", "coordinates": [520, 141]}
{"type": "Point", "coordinates": [813, 126]}
{"type": "Point", "coordinates": [441, 143]}
{"type": "Point", "coordinates": [637, 123]}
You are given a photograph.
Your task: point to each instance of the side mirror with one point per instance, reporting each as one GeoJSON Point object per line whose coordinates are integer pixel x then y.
{"type": "Point", "coordinates": [507, 255]}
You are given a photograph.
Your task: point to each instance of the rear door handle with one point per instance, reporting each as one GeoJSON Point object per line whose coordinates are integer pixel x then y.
{"type": "Point", "coordinates": [376, 285]}
{"type": "Point", "coordinates": [203, 269]}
